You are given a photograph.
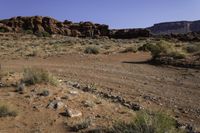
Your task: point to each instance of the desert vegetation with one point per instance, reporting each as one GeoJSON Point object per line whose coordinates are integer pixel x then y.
{"type": "Point", "coordinates": [146, 122]}
{"type": "Point", "coordinates": [102, 82]}
{"type": "Point", "coordinates": [32, 76]}
{"type": "Point", "coordinates": [91, 50]}
{"type": "Point", "coordinates": [163, 48]}
{"type": "Point", "coordinates": [7, 110]}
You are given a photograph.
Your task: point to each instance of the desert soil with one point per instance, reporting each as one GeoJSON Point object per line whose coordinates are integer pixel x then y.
{"type": "Point", "coordinates": [159, 88]}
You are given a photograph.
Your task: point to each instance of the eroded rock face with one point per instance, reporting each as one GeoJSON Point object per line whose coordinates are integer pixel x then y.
{"type": "Point", "coordinates": [129, 33]}
{"type": "Point", "coordinates": [38, 24]}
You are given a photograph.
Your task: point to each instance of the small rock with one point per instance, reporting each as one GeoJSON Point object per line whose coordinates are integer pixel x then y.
{"type": "Point", "coordinates": [88, 103]}
{"type": "Point", "coordinates": [57, 98]}
{"type": "Point", "coordinates": [59, 105]}
{"type": "Point", "coordinates": [1, 84]}
{"type": "Point", "coordinates": [73, 92]}
{"type": "Point", "coordinates": [55, 104]}
{"type": "Point", "coordinates": [65, 97]}
{"type": "Point", "coordinates": [21, 87]}
{"type": "Point", "coordinates": [76, 85]}
{"type": "Point", "coordinates": [73, 113]}
{"type": "Point", "coordinates": [135, 107]}
{"type": "Point", "coordinates": [44, 93]}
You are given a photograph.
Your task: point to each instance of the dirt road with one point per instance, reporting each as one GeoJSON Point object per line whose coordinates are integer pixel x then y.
{"type": "Point", "coordinates": [127, 75]}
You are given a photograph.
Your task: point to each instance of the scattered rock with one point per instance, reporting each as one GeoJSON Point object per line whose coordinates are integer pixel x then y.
{"type": "Point", "coordinates": [76, 85]}
{"type": "Point", "coordinates": [73, 113]}
{"type": "Point", "coordinates": [1, 84]}
{"type": "Point", "coordinates": [187, 127]}
{"type": "Point", "coordinates": [89, 88]}
{"type": "Point", "coordinates": [135, 107]}
{"type": "Point", "coordinates": [88, 103]}
{"type": "Point", "coordinates": [44, 93]}
{"type": "Point", "coordinates": [73, 92]}
{"type": "Point", "coordinates": [21, 87]}
{"type": "Point", "coordinates": [55, 104]}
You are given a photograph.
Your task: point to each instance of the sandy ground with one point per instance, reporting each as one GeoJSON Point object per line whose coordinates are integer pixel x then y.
{"type": "Point", "coordinates": [175, 90]}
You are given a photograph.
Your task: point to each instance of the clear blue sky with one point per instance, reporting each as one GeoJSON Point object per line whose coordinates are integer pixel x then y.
{"type": "Point", "coordinates": [115, 13]}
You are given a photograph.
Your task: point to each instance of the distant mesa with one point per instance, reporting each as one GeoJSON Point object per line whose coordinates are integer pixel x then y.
{"type": "Point", "coordinates": [180, 27]}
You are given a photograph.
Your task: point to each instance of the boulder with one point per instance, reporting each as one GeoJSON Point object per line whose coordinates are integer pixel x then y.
{"type": "Point", "coordinates": [4, 28]}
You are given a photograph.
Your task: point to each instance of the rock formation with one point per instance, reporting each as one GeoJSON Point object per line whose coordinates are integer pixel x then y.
{"type": "Point", "coordinates": [129, 33]}
{"type": "Point", "coordinates": [39, 24]}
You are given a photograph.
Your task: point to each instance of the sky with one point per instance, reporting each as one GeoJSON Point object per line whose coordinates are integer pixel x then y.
{"type": "Point", "coordinates": [116, 13]}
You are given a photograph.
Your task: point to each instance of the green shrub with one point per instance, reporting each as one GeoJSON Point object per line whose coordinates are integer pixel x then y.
{"type": "Point", "coordinates": [91, 50]}
{"type": "Point", "coordinates": [36, 76]}
{"type": "Point", "coordinates": [155, 49]}
{"type": "Point", "coordinates": [42, 34]}
{"type": "Point", "coordinates": [28, 32]}
{"type": "Point", "coordinates": [5, 111]}
{"type": "Point", "coordinates": [147, 123]}
{"type": "Point", "coordinates": [130, 49]}
{"type": "Point", "coordinates": [2, 30]}
{"type": "Point", "coordinates": [163, 48]}
{"type": "Point", "coordinates": [177, 55]}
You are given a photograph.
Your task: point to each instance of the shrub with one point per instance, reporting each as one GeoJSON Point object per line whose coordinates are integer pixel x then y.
{"type": "Point", "coordinates": [177, 55]}
{"type": "Point", "coordinates": [5, 111]}
{"type": "Point", "coordinates": [192, 48]}
{"type": "Point", "coordinates": [36, 76]}
{"type": "Point", "coordinates": [83, 124]}
{"type": "Point", "coordinates": [91, 50]}
{"type": "Point", "coordinates": [2, 30]}
{"type": "Point", "coordinates": [2, 73]}
{"type": "Point", "coordinates": [28, 32]}
{"type": "Point", "coordinates": [155, 49]}
{"type": "Point", "coordinates": [162, 48]}
{"type": "Point", "coordinates": [147, 123]}
{"type": "Point", "coordinates": [130, 49]}
{"type": "Point", "coordinates": [34, 53]}
{"type": "Point", "coordinates": [42, 34]}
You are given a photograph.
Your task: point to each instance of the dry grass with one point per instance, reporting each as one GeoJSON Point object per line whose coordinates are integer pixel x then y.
{"type": "Point", "coordinates": [132, 49]}
{"type": "Point", "coordinates": [146, 122]}
{"type": "Point", "coordinates": [33, 76]}
{"type": "Point", "coordinates": [91, 50]}
{"type": "Point", "coordinates": [7, 110]}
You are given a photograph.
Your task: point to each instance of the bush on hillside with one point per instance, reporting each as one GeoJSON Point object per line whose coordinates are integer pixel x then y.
{"type": "Point", "coordinates": [33, 76]}
{"type": "Point", "coordinates": [91, 50]}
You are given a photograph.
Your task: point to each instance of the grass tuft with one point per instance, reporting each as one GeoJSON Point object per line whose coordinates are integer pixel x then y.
{"type": "Point", "coordinates": [147, 123]}
{"type": "Point", "coordinates": [33, 76]}
{"type": "Point", "coordinates": [91, 50]}
{"type": "Point", "coordinates": [130, 50]}
{"type": "Point", "coordinates": [6, 110]}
